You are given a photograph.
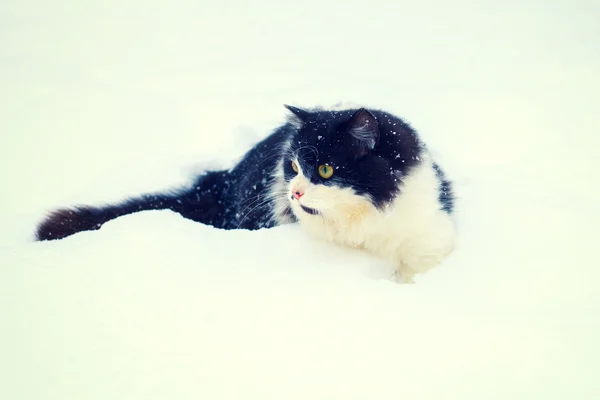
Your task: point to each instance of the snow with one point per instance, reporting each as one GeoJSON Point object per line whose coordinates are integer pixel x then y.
{"type": "Point", "coordinates": [110, 99]}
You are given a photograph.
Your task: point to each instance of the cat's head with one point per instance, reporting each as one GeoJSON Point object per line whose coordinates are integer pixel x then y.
{"type": "Point", "coordinates": [334, 167]}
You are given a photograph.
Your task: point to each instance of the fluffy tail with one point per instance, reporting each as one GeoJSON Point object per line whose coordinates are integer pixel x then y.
{"type": "Point", "coordinates": [200, 203]}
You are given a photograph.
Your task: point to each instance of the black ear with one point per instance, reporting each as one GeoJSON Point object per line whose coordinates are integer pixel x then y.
{"type": "Point", "coordinates": [298, 116]}
{"type": "Point", "coordinates": [298, 112]}
{"type": "Point", "coordinates": [364, 131]}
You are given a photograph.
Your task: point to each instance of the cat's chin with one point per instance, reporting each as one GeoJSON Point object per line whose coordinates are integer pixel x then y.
{"type": "Point", "coordinates": [301, 210]}
{"type": "Point", "coordinates": [309, 210]}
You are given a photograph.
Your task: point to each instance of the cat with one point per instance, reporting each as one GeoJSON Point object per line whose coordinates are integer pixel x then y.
{"type": "Point", "coordinates": [358, 177]}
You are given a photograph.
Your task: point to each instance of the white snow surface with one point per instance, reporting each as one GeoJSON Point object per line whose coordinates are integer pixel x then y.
{"type": "Point", "coordinates": [103, 100]}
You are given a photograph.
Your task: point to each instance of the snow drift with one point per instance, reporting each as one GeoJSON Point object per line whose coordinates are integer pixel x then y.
{"type": "Point", "coordinates": [103, 101]}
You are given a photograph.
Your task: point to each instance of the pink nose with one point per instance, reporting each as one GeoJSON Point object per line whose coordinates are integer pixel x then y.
{"type": "Point", "coordinates": [297, 194]}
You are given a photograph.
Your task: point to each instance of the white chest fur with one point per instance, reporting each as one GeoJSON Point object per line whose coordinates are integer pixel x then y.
{"type": "Point", "coordinates": [412, 232]}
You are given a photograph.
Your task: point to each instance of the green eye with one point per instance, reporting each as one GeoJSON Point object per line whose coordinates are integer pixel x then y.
{"type": "Point", "coordinates": [294, 167]}
{"type": "Point", "coordinates": [325, 171]}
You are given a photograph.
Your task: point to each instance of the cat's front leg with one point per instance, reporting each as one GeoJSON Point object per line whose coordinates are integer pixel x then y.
{"type": "Point", "coordinates": [423, 252]}
{"type": "Point", "coordinates": [404, 275]}
{"type": "Point", "coordinates": [406, 269]}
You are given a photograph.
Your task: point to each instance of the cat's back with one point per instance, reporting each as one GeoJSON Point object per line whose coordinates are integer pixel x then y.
{"type": "Point", "coordinates": [248, 197]}
{"type": "Point", "coordinates": [263, 157]}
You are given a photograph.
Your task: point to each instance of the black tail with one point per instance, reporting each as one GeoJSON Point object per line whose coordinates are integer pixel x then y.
{"type": "Point", "coordinates": [202, 203]}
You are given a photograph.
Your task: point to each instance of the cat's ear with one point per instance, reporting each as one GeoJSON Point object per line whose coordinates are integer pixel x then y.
{"type": "Point", "coordinates": [297, 116]}
{"type": "Point", "coordinates": [364, 131]}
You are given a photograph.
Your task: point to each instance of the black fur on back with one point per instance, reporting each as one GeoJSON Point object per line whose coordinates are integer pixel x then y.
{"type": "Point", "coordinates": [371, 160]}
{"type": "Point", "coordinates": [446, 194]}
{"type": "Point", "coordinates": [234, 199]}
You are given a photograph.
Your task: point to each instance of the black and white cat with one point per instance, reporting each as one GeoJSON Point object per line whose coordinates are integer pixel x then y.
{"type": "Point", "coordinates": [355, 176]}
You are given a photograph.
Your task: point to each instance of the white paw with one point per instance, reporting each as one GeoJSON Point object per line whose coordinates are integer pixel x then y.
{"type": "Point", "coordinates": [404, 276]}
